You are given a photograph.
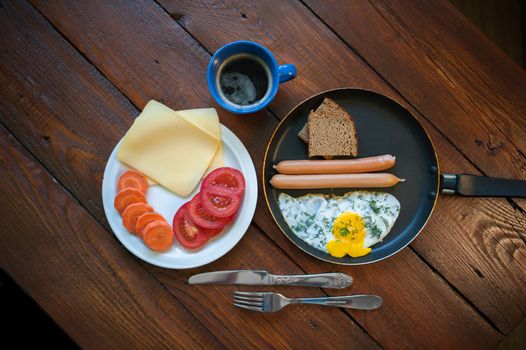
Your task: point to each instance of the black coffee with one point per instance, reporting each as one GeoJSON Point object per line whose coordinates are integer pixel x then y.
{"type": "Point", "coordinates": [244, 80]}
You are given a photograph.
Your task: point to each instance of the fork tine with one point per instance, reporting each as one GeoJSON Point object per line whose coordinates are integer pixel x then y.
{"type": "Point", "coordinates": [242, 297]}
{"type": "Point", "coordinates": [253, 294]}
{"type": "Point", "coordinates": [253, 308]}
{"type": "Point", "coordinates": [252, 303]}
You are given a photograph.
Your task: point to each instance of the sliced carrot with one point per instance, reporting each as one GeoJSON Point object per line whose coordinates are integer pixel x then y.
{"type": "Point", "coordinates": [144, 219]}
{"type": "Point", "coordinates": [132, 212]}
{"type": "Point", "coordinates": [126, 197]}
{"type": "Point", "coordinates": [133, 179]}
{"type": "Point", "coordinates": [158, 235]}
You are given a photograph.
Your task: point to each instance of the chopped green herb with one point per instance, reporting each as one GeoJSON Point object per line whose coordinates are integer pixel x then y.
{"type": "Point", "coordinates": [375, 231]}
{"type": "Point", "coordinates": [367, 220]}
{"type": "Point", "coordinates": [374, 206]}
{"type": "Point", "coordinates": [320, 232]}
{"type": "Point", "coordinates": [298, 228]}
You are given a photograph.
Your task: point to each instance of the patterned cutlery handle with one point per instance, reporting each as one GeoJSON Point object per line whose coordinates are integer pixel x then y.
{"type": "Point", "coordinates": [322, 280]}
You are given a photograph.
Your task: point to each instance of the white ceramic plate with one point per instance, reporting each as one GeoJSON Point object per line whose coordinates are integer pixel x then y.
{"type": "Point", "coordinates": [166, 203]}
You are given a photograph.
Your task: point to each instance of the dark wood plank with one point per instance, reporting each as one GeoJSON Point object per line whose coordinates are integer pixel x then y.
{"type": "Point", "coordinates": [72, 267]}
{"type": "Point", "coordinates": [77, 24]}
{"type": "Point", "coordinates": [500, 20]}
{"type": "Point", "coordinates": [315, 46]}
{"type": "Point", "coordinates": [293, 327]}
{"type": "Point", "coordinates": [461, 76]}
{"type": "Point", "coordinates": [39, 108]}
{"type": "Point", "coordinates": [516, 339]}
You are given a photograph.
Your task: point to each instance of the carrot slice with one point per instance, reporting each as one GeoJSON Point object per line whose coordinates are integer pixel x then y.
{"type": "Point", "coordinates": [158, 235]}
{"type": "Point", "coordinates": [126, 197]}
{"type": "Point", "coordinates": [133, 179]}
{"type": "Point", "coordinates": [144, 219]}
{"type": "Point", "coordinates": [132, 212]}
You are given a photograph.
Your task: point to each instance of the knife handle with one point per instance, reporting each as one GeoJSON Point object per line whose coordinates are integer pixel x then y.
{"type": "Point", "coordinates": [482, 186]}
{"type": "Point", "coordinates": [323, 280]}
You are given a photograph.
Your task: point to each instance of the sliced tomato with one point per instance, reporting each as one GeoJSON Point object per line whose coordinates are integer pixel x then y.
{"type": "Point", "coordinates": [186, 232]}
{"type": "Point", "coordinates": [212, 233]}
{"type": "Point", "coordinates": [228, 179]}
{"type": "Point", "coordinates": [219, 202]}
{"type": "Point", "coordinates": [203, 218]}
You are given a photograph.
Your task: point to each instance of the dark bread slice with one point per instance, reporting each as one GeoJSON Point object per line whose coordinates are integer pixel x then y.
{"type": "Point", "coordinates": [304, 133]}
{"type": "Point", "coordinates": [331, 131]}
{"type": "Point", "coordinates": [304, 136]}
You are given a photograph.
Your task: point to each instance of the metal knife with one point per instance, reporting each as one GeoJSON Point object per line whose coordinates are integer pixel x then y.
{"type": "Point", "coordinates": [259, 277]}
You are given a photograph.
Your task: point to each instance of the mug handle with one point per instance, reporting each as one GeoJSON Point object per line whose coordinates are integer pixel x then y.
{"type": "Point", "coordinates": [286, 72]}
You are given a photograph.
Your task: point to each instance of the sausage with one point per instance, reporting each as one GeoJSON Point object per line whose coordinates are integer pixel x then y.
{"type": "Point", "coordinates": [283, 182]}
{"type": "Point", "coordinates": [336, 166]}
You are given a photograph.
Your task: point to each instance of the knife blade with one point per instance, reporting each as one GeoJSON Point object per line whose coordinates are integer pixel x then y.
{"type": "Point", "coordinates": [260, 277]}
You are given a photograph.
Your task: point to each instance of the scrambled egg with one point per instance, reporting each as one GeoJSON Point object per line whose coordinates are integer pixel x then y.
{"type": "Point", "coordinates": [348, 230]}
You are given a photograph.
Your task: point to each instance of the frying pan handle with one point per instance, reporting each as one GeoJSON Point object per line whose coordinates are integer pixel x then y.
{"type": "Point", "coordinates": [448, 183]}
{"type": "Point", "coordinates": [481, 186]}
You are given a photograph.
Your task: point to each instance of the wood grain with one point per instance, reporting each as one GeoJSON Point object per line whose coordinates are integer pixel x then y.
{"type": "Point", "coordinates": [468, 88]}
{"type": "Point", "coordinates": [215, 311]}
{"type": "Point", "coordinates": [74, 269]}
{"type": "Point", "coordinates": [501, 21]}
{"type": "Point", "coordinates": [301, 327]}
{"type": "Point", "coordinates": [76, 23]}
{"type": "Point", "coordinates": [315, 46]}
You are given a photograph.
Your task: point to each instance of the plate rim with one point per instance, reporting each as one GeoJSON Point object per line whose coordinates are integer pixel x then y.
{"type": "Point", "coordinates": [263, 173]}
{"type": "Point", "coordinates": [249, 202]}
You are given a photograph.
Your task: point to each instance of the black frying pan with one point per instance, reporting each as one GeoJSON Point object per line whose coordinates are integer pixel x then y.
{"type": "Point", "coordinates": [383, 127]}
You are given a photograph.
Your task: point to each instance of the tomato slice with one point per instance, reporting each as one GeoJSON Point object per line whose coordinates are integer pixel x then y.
{"type": "Point", "coordinates": [203, 218]}
{"type": "Point", "coordinates": [228, 179]}
{"type": "Point", "coordinates": [186, 232]}
{"type": "Point", "coordinates": [219, 202]}
{"type": "Point", "coordinates": [212, 233]}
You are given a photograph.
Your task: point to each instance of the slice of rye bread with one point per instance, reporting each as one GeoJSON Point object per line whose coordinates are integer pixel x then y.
{"type": "Point", "coordinates": [331, 131]}
{"type": "Point", "coordinates": [304, 136]}
{"type": "Point", "coordinates": [304, 133]}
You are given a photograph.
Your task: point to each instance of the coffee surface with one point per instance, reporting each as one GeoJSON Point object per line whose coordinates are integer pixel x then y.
{"type": "Point", "coordinates": [244, 81]}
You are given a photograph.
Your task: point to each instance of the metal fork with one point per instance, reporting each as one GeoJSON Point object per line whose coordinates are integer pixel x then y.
{"type": "Point", "coordinates": [270, 302]}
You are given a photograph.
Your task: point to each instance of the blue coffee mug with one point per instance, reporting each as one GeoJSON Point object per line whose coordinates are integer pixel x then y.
{"type": "Point", "coordinates": [241, 101]}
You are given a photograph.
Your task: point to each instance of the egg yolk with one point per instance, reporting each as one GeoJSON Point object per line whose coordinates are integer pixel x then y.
{"type": "Point", "coordinates": [337, 248]}
{"type": "Point", "coordinates": [348, 230]}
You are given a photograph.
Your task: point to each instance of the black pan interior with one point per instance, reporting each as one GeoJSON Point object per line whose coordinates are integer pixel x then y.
{"type": "Point", "coordinates": [383, 127]}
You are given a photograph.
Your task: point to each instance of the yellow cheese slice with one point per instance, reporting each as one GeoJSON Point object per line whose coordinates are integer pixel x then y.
{"type": "Point", "coordinates": [217, 161]}
{"type": "Point", "coordinates": [168, 148]}
{"type": "Point", "coordinates": [207, 119]}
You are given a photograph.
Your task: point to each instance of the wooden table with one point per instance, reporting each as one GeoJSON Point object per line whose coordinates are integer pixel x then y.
{"type": "Point", "coordinates": [75, 74]}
